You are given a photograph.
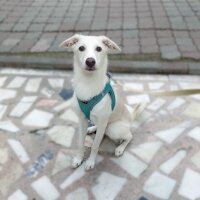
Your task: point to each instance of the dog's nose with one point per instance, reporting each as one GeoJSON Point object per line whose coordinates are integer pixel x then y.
{"type": "Point", "coordinates": [90, 62]}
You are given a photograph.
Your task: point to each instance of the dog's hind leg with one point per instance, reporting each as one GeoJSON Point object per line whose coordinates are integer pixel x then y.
{"type": "Point", "coordinates": [120, 149]}
{"type": "Point", "coordinates": [119, 131]}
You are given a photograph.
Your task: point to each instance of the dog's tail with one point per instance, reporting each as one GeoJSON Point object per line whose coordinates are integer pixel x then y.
{"type": "Point", "coordinates": [137, 110]}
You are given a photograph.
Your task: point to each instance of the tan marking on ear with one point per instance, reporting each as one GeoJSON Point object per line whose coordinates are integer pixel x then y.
{"type": "Point", "coordinates": [70, 42]}
{"type": "Point", "coordinates": [109, 44]}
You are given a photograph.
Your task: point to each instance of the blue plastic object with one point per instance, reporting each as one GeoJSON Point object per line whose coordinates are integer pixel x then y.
{"type": "Point", "coordinates": [66, 93]}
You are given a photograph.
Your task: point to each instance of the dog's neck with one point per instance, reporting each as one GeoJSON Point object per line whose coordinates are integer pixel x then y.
{"type": "Point", "coordinates": [89, 84]}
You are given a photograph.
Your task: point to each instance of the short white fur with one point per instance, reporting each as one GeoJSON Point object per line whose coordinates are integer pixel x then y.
{"type": "Point", "coordinates": [115, 124]}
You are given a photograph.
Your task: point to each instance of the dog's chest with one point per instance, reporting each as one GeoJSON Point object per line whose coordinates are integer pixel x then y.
{"type": "Point", "coordinates": [87, 106]}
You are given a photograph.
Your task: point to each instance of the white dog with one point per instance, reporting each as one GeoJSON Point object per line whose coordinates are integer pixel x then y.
{"type": "Point", "coordinates": [96, 97]}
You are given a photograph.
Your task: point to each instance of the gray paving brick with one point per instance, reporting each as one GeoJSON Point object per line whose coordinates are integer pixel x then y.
{"type": "Point", "coordinates": [40, 19]}
{"type": "Point", "coordinates": [130, 33]}
{"type": "Point", "coordinates": [195, 34]}
{"type": "Point", "coordinates": [194, 67]}
{"type": "Point", "coordinates": [145, 23]}
{"type": "Point", "coordinates": [130, 23]}
{"type": "Point", "coordinates": [134, 49]}
{"type": "Point", "coordinates": [3, 36]}
{"type": "Point", "coordinates": [36, 27]}
{"type": "Point", "coordinates": [177, 23]}
{"type": "Point", "coordinates": [193, 55]}
{"type": "Point", "coordinates": [130, 41]}
{"type": "Point", "coordinates": [161, 23]}
{"type": "Point", "coordinates": [52, 27]}
{"type": "Point", "coordinates": [166, 41]}
{"type": "Point", "coordinates": [171, 22]}
{"type": "Point", "coordinates": [187, 48]}
{"type": "Point", "coordinates": [24, 45]}
{"type": "Point", "coordinates": [11, 20]}
{"type": "Point", "coordinates": [21, 27]}
{"type": "Point", "coordinates": [187, 13]}
{"type": "Point", "coordinates": [148, 41]}
{"type": "Point", "coordinates": [164, 33]}
{"type": "Point", "coordinates": [60, 38]}
{"type": "Point", "coordinates": [44, 43]}
{"type": "Point", "coordinates": [67, 26]}
{"type": "Point", "coordinates": [2, 18]}
{"type": "Point", "coordinates": [173, 13]}
{"type": "Point", "coordinates": [6, 26]}
{"type": "Point", "coordinates": [150, 49]}
{"type": "Point", "coordinates": [58, 14]}
{"type": "Point", "coordinates": [98, 25]}
{"type": "Point", "coordinates": [55, 20]}
{"type": "Point", "coordinates": [8, 44]}
{"type": "Point", "coordinates": [144, 14]}
{"type": "Point", "coordinates": [146, 33]}
{"type": "Point", "coordinates": [181, 34]}
{"type": "Point", "coordinates": [170, 52]}
{"type": "Point", "coordinates": [41, 46]}
{"type": "Point", "coordinates": [184, 41]}
{"type": "Point", "coordinates": [32, 35]}
{"type": "Point", "coordinates": [26, 19]}
{"type": "Point", "coordinates": [193, 23]}
{"type": "Point", "coordinates": [82, 26]}
{"type": "Point", "coordinates": [114, 25]}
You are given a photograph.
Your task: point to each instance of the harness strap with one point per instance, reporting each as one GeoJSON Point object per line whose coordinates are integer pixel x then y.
{"type": "Point", "coordinates": [87, 107]}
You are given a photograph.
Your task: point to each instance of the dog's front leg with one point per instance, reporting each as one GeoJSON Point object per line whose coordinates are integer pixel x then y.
{"type": "Point", "coordinates": [78, 159]}
{"type": "Point", "coordinates": [95, 146]}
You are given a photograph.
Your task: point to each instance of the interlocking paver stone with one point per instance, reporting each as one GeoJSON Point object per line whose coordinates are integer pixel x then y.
{"type": "Point", "coordinates": [24, 45]}
{"type": "Point", "coordinates": [21, 27]}
{"type": "Point", "coordinates": [170, 52]}
{"type": "Point", "coordinates": [166, 18]}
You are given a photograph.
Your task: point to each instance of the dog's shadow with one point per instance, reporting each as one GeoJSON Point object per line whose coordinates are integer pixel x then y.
{"type": "Point", "coordinates": [107, 145]}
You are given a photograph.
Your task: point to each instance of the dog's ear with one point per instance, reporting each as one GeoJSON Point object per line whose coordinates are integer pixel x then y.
{"type": "Point", "coordinates": [70, 42]}
{"type": "Point", "coordinates": [108, 43]}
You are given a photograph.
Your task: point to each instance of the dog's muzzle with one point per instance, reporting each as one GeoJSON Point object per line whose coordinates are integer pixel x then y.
{"type": "Point", "coordinates": [90, 64]}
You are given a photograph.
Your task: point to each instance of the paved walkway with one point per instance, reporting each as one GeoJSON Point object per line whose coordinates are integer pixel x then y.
{"type": "Point", "coordinates": [161, 28]}
{"type": "Point", "coordinates": [38, 134]}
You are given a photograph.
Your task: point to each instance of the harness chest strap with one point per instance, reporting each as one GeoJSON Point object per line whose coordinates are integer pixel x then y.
{"type": "Point", "coordinates": [87, 107]}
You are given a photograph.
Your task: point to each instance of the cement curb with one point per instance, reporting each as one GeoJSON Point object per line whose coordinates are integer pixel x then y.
{"type": "Point", "coordinates": [117, 66]}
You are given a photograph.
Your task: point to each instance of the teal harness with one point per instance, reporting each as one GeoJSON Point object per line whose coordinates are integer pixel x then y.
{"type": "Point", "coordinates": [87, 106]}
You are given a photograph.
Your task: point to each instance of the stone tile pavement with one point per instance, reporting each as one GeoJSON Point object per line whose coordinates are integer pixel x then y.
{"type": "Point", "coordinates": [168, 28]}
{"type": "Point", "coordinates": [38, 134]}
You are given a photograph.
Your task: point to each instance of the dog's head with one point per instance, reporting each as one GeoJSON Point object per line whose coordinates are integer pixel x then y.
{"type": "Point", "coordinates": [90, 51]}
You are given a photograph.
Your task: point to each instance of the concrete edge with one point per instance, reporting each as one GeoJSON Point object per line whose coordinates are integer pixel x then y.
{"type": "Point", "coordinates": [117, 66]}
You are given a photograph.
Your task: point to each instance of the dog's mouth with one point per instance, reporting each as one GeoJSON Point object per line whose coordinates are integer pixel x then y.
{"type": "Point", "coordinates": [90, 69]}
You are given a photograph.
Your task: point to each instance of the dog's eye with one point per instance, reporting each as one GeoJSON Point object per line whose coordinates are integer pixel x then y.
{"type": "Point", "coordinates": [81, 48]}
{"type": "Point", "coordinates": [98, 49]}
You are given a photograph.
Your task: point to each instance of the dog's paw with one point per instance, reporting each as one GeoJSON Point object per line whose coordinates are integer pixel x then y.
{"type": "Point", "coordinates": [89, 164]}
{"type": "Point", "coordinates": [76, 162]}
{"type": "Point", "coordinates": [119, 151]}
